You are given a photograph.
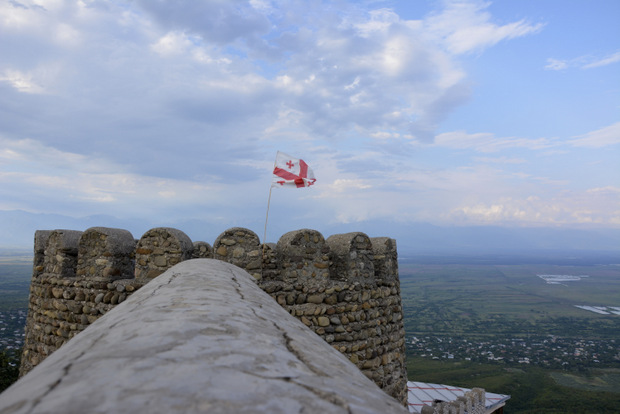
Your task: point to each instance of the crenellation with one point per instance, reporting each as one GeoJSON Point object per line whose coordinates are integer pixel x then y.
{"type": "Point", "coordinates": [385, 259]}
{"type": "Point", "coordinates": [106, 253]}
{"type": "Point", "coordinates": [241, 247]}
{"type": "Point", "coordinates": [41, 238]}
{"type": "Point", "coordinates": [345, 288]}
{"type": "Point", "coordinates": [303, 257]}
{"type": "Point", "coordinates": [159, 249]}
{"type": "Point", "coordinates": [352, 257]}
{"type": "Point", "coordinates": [202, 250]}
{"type": "Point", "coordinates": [61, 253]}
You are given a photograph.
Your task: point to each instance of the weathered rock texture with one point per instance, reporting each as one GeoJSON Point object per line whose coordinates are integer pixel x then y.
{"type": "Point", "coordinates": [346, 288]}
{"type": "Point", "coordinates": [202, 337]}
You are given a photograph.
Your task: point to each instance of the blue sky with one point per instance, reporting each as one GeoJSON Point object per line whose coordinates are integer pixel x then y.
{"type": "Point", "coordinates": [454, 113]}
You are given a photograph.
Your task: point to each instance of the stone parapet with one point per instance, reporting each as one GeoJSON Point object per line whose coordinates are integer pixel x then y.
{"type": "Point", "coordinates": [159, 249]}
{"type": "Point", "coordinates": [345, 289]}
{"type": "Point", "coordinates": [473, 402]}
{"type": "Point", "coordinates": [201, 337]}
{"type": "Point", "coordinates": [41, 238]}
{"type": "Point", "coordinates": [105, 252]}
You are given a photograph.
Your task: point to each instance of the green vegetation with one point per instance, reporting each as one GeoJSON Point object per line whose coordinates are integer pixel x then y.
{"type": "Point", "coordinates": [466, 320]}
{"type": "Point", "coordinates": [596, 380]}
{"type": "Point", "coordinates": [509, 300]}
{"type": "Point", "coordinates": [9, 368]}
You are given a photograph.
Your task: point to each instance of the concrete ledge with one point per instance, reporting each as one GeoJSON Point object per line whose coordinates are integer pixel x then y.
{"type": "Point", "coordinates": [201, 337]}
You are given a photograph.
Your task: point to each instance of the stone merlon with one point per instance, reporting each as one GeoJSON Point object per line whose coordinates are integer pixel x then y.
{"type": "Point", "coordinates": [201, 337]}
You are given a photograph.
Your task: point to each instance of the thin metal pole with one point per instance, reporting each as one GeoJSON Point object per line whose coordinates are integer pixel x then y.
{"type": "Point", "coordinates": [266, 219]}
{"type": "Point", "coordinates": [262, 262]}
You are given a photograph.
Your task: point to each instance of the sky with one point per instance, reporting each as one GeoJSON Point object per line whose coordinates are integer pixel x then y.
{"type": "Point", "coordinates": [453, 113]}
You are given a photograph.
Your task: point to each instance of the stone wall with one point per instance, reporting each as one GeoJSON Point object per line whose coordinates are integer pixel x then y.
{"type": "Point", "coordinates": [177, 345]}
{"type": "Point", "coordinates": [346, 288]}
{"type": "Point", "coordinates": [473, 402]}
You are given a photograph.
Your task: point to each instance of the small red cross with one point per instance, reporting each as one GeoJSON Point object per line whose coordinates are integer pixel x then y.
{"type": "Point", "coordinates": [289, 164]}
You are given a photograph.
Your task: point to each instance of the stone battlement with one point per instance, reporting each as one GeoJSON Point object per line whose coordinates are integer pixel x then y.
{"type": "Point", "coordinates": [344, 288]}
{"type": "Point", "coordinates": [201, 337]}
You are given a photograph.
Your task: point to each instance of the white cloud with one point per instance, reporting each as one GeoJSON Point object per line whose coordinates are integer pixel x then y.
{"type": "Point", "coordinates": [582, 62]}
{"type": "Point", "coordinates": [379, 21]}
{"type": "Point", "coordinates": [263, 5]}
{"type": "Point", "coordinates": [341, 185]}
{"type": "Point", "coordinates": [38, 156]}
{"type": "Point", "coordinates": [50, 173]}
{"type": "Point", "coordinates": [566, 208]}
{"type": "Point", "coordinates": [556, 64]}
{"type": "Point", "coordinates": [171, 44]}
{"type": "Point", "coordinates": [58, 23]}
{"type": "Point", "coordinates": [607, 60]}
{"type": "Point", "coordinates": [465, 26]}
{"type": "Point", "coordinates": [221, 22]}
{"type": "Point", "coordinates": [111, 107]}
{"type": "Point", "coordinates": [67, 35]}
{"type": "Point", "coordinates": [16, 16]}
{"type": "Point", "coordinates": [23, 82]}
{"type": "Point", "coordinates": [486, 142]}
{"type": "Point", "coordinates": [367, 71]}
{"type": "Point", "coordinates": [609, 190]}
{"type": "Point", "coordinates": [501, 160]}
{"type": "Point", "coordinates": [609, 135]}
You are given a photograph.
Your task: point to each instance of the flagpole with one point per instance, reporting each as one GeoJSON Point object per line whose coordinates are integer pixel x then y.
{"type": "Point", "coordinates": [262, 262]}
{"type": "Point", "coordinates": [266, 219]}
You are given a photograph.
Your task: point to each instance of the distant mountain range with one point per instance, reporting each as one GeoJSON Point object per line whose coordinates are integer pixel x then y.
{"type": "Point", "coordinates": [17, 230]}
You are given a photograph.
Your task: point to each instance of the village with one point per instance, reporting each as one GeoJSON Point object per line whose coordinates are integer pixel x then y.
{"type": "Point", "coordinates": [12, 324]}
{"type": "Point", "coordinates": [549, 351]}
{"type": "Point", "coordinates": [546, 351]}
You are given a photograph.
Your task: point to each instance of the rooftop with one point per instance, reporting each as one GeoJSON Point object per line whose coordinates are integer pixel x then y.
{"type": "Point", "coordinates": [422, 393]}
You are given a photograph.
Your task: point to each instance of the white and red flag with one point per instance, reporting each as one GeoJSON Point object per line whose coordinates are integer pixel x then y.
{"type": "Point", "coordinates": [291, 172]}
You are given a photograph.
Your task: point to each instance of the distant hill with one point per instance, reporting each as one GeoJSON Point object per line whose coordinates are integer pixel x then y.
{"type": "Point", "coordinates": [17, 227]}
{"type": "Point", "coordinates": [17, 230]}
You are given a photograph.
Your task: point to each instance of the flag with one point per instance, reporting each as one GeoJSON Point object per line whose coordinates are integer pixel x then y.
{"type": "Point", "coordinates": [291, 172]}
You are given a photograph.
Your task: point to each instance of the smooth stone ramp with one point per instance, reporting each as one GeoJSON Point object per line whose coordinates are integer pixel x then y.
{"type": "Point", "coordinates": [201, 337]}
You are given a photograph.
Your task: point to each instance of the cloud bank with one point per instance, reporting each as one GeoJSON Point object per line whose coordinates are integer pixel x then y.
{"type": "Point", "coordinates": [177, 108]}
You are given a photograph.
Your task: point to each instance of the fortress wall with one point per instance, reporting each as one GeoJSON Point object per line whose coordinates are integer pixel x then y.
{"type": "Point", "coordinates": [346, 288]}
{"type": "Point", "coordinates": [77, 277]}
{"type": "Point", "coordinates": [202, 337]}
{"type": "Point", "coordinates": [332, 288]}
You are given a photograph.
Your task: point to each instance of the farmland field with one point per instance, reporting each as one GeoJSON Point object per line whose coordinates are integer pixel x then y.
{"type": "Point", "coordinates": [516, 329]}
{"type": "Point", "coordinates": [15, 274]}
{"type": "Point", "coordinates": [509, 299]}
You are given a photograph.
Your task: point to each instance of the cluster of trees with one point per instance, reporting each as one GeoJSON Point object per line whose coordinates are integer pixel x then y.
{"type": "Point", "coordinates": [9, 368]}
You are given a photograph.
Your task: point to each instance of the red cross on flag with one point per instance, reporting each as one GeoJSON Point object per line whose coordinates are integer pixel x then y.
{"type": "Point", "coordinates": [291, 172]}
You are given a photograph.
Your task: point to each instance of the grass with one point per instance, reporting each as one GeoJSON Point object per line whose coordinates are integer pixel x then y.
{"type": "Point", "coordinates": [495, 299]}
{"type": "Point", "coordinates": [597, 380]}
